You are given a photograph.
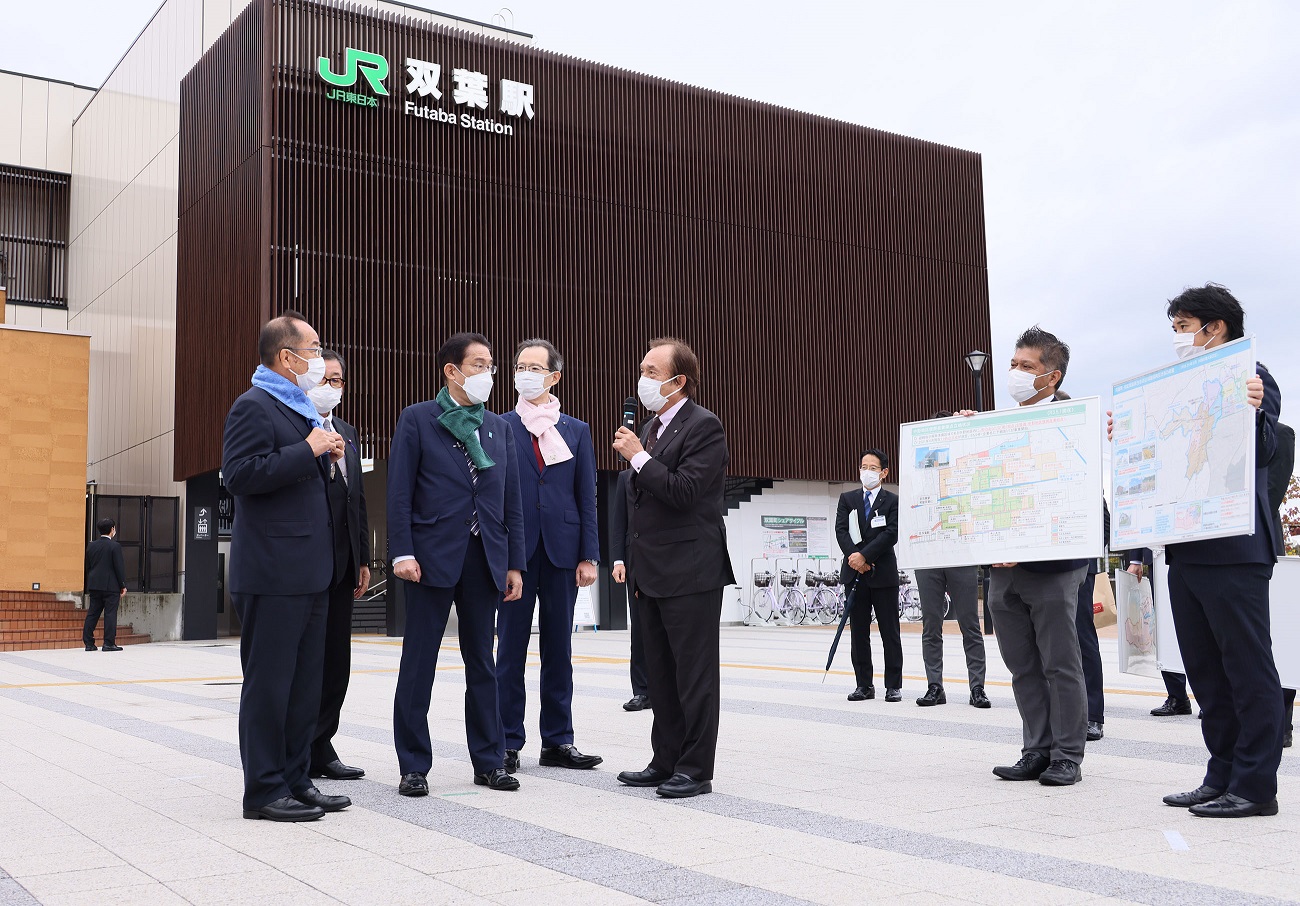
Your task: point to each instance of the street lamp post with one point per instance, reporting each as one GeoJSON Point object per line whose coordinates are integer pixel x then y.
{"type": "Point", "coordinates": [976, 360]}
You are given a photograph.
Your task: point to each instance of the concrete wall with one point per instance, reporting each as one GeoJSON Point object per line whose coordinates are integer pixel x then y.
{"type": "Point", "coordinates": [38, 115]}
{"type": "Point", "coordinates": [42, 459]}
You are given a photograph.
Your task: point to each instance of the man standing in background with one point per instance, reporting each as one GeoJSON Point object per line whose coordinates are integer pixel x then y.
{"type": "Point", "coordinates": [351, 531]}
{"type": "Point", "coordinates": [557, 481]}
{"type": "Point", "coordinates": [640, 699]}
{"type": "Point", "coordinates": [105, 585]}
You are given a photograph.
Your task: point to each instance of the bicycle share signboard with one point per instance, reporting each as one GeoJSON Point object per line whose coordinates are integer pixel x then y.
{"type": "Point", "coordinates": [1013, 485]}
{"type": "Point", "coordinates": [795, 536]}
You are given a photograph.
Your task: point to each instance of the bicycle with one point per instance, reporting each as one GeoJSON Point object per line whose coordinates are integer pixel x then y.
{"type": "Point", "coordinates": [793, 607]}
{"type": "Point", "coordinates": [828, 600]}
{"type": "Point", "coordinates": [763, 604]}
{"type": "Point", "coordinates": [909, 600]}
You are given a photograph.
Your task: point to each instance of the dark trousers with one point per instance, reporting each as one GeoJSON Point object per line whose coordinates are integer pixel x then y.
{"type": "Point", "coordinates": [884, 601]}
{"type": "Point", "coordinates": [1090, 650]}
{"type": "Point", "coordinates": [1033, 618]}
{"type": "Point", "coordinates": [1222, 619]}
{"type": "Point", "coordinates": [1175, 685]}
{"type": "Point", "coordinates": [476, 598]}
{"type": "Point", "coordinates": [557, 591]}
{"type": "Point", "coordinates": [337, 669]}
{"type": "Point", "coordinates": [1288, 710]}
{"type": "Point", "coordinates": [959, 585]}
{"type": "Point", "coordinates": [106, 603]}
{"type": "Point", "coordinates": [282, 648]}
{"type": "Point", "coordinates": [636, 665]}
{"type": "Point", "coordinates": [681, 640]}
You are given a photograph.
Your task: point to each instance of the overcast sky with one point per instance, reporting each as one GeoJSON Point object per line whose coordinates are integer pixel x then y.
{"type": "Point", "coordinates": [1130, 148]}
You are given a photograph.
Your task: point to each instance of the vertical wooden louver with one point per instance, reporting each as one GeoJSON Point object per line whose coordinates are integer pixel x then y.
{"type": "Point", "coordinates": [830, 276]}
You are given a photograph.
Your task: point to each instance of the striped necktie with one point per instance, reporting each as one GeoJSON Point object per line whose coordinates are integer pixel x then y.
{"type": "Point", "coordinates": [473, 477]}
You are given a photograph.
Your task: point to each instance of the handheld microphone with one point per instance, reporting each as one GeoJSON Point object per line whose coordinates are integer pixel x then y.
{"type": "Point", "coordinates": [629, 413]}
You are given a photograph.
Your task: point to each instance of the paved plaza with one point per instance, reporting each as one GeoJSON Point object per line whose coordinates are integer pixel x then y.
{"type": "Point", "coordinates": [120, 783]}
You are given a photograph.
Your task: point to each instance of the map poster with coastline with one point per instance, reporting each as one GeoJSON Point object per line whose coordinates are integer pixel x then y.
{"type": "Point", "coordinates": [1013, 485]}
{"type": "Point", "coordinates": [1183, 460]}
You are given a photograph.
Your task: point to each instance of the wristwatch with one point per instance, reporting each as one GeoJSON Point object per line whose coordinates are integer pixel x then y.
{"type": "Point", "coordinates": [592, 562]}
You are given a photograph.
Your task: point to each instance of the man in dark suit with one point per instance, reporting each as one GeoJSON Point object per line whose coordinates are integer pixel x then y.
{"type": "Point", "coordinates": [866, 527]}
{"type": "Point", "coordinates": [1218, 590]}
{"type": "Point", "coordinates": [678, 564]}
{"type": "Point", "coordinates": [1280, 470]}
{"type": "Point", "coordinates": [1034, 607]}
{"type": "Point", "coordinates": [640, 700]}
{"type": "Point", "coordinates": [351, 531]}
{"type": "Point", "coordinates": [557, 480]}
{"type": "Point", "coordinates": [1085, 624]}
{"type": "Point", "coordinates": [456, 535]}
{"type": "Point", "coordinates": [105, 585]}
{"type": "Point", "coordinates": [276, 463]}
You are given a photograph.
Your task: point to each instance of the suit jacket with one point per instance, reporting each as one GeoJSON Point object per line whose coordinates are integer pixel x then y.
{"type": "Point", "coordinates": [877, 545]}
{"type": "Point", "coordinates": [559, 501]}
{"type": "Point", "coordinates": [618, 526]}
{"type": "Point", "coordinates": [282, 539]}
{"type": "Point", "coordinates": [1265, 545]}
{"type": "Point", "coordinates": [1280, 469]}
{"type": "Point", "coordinates": [358, 521]}
{"type": "Point", "coordinates": [105, 566]}
{"type": "Point", "coordinates": [677, 542]}
{"type": "Point", "coordinates": [432, 498]}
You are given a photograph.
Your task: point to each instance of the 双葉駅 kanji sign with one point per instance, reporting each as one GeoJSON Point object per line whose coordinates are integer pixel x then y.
{"type": "Point", "coordinates": [470, 105]}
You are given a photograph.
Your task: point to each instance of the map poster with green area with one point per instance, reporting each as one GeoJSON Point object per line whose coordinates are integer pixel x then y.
{"type": "Point", "coordinates": [1010, 486]}
{"type": "Point", "coordinates": [1183, 461]}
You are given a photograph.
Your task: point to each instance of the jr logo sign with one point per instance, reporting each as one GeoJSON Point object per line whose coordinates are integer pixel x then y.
{"type": "Point", "coordinates": [356, 62]}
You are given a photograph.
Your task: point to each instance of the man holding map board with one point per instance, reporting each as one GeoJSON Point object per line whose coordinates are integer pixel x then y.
{"type": "Point", "coordinates": [1020, 489]}
{"type": "Point", "coordinates": [1192, 446]}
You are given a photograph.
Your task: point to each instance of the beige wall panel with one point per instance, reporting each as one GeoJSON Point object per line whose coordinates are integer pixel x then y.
{"type": "Point", "coordinates": [11, 115]}
{"type": "Point", "coordinates": [31, 131]}
{"type": "Point", "coordinates": [66, 101]}
{"type": "Point", "coordinates": [43, 418]}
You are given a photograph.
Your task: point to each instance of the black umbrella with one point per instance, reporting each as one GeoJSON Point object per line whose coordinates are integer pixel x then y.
{"type": "Point", "coordinates": [839, 631]}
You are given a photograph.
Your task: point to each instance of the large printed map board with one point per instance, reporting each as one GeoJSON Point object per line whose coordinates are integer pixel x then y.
{"type": "Point", "coordinates": [1183, 460]}
{"type": "Point", "coordinates": [1014, 485]}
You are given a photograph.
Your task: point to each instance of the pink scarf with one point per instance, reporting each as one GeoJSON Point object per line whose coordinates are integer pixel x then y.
{"type": "Point", "coordinates": [540, 422]}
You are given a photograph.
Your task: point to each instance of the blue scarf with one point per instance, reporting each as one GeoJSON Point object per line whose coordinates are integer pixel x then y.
{"type": "Point", "coordinates": [287, 392]}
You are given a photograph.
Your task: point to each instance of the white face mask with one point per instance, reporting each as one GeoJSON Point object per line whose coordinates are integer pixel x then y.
{"type": "Point", "coordinates": [1020, 385]}
{"type": "Point", "coordinates": [478, 387]}
{"type": "Point", "coordinates": [324, 397]}
{"type": "Point", "coordinates": [315, 373]}
{"type": "Point", "coordinates": [1185, 345]}
{"type": "Point", "coordinates": [530, 386]}
{"type": "Point", "coordinates": [870, 479]}
{"type": "Point", "coordinates": [648, 389]}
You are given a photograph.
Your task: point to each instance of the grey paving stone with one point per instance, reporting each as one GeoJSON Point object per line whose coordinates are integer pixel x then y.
{"type": "Point", "coordinates": [669, 883]}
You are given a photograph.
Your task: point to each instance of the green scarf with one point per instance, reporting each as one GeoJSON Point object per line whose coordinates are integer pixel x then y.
{"type": "Point", "coordinates": [462, 423]}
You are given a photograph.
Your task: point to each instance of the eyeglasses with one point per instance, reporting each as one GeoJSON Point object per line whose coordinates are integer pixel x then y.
{"type": "Point", "coordinates": [478, 369]}
{"type": "Point", "coordinates": [336, 382]}
{"type": "Point", "coordinates": [317, 350]}
{"type": "Point", "coordinates": [532, 369]}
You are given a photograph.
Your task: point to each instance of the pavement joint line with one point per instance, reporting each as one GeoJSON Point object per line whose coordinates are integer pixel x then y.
{"type": "Point", "coordinates": [633, 873]}
{"type": "Point", "coordinates": [506, 835]}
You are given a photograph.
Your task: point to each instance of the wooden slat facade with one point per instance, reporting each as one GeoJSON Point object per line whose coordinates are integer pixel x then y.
{"type": "Point", "coordinates": [830, 276]}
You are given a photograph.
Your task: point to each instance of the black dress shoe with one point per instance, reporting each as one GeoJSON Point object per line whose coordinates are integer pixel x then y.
{"type": "Point", "coordinates": [313, 796]}
{"type": "Point", "coordinates": [682, 786]}
{"type": "Point", "coordinates": [567, 756]}
{"type": "Point", "coordinates": [648, 777]}
{"type": "Point", "coordinates": [1230, 806]}
{"type": "Point", "coordinates": [496, 779]}
{"type": "Point", "coordinates": [1095, 731]}
{"type": "Point", "coordinates": [285, 809]}
{"type": "Point", "coordinates": [512, 761]}
{"type": "Point", "coordinates": [893, 695]}
{"type": "Point", "coordinates": [91, 648]}
{"type": "Point", "coordinates": [1063, 772]}
{"type": "Point", "coordinates": [1186, 800]}
{"type": "Point", "coordinates": [933, 696]}
{"type": "Point", "coordinates": [1171, 707]}
{"type": "Point", "coordinates": [978, 699]}
{"type": "Point", "coordinates": [1030, 767]}
{"type": "Point", "coordinates": [337, 770]}
{"type": "Point", "coordinates": [413, 784]}
{"type": "Point", "coordinates": [862, 693]}
{"type": "Point", "coordinates": [637, 703]}
{"type": "Point", "coordinates": [111, 648]}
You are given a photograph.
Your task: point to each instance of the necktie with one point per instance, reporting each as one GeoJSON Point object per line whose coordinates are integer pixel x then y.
{"type": "Point", "coordinates": [653, 438]}
{"type": "Point", "coordinates": [473, 477]}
